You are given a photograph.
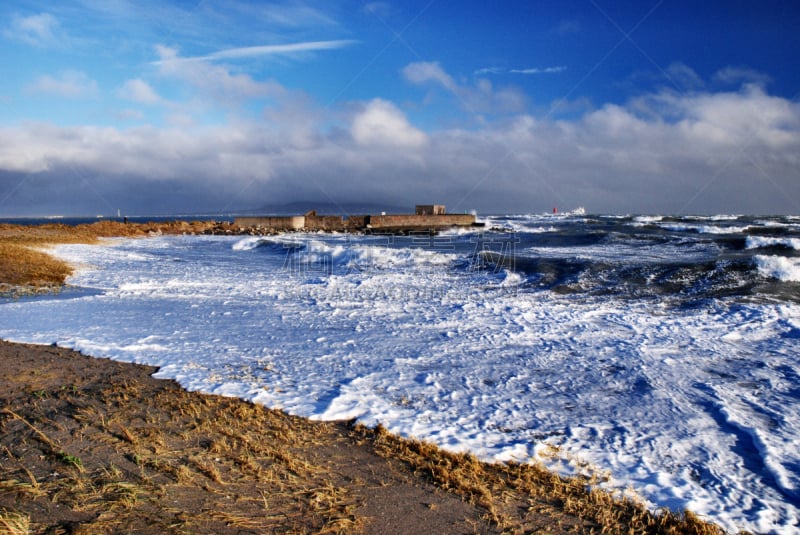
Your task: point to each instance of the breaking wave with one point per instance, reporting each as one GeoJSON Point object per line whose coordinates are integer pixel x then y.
{"type": "Point", "coordinates": [779, 267]}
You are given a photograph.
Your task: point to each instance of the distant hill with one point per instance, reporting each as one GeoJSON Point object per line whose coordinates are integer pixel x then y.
{"type": "Point", "coordinates": [329, 208]}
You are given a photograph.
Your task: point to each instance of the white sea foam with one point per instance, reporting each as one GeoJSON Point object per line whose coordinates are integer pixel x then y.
{"type": "Point", "coordinates": [535, 224]}
{"type": "Point", "coordinates": [778, 267]}
{"type": "Point", "coordinates": [646, 219]}
{"type": "Point", "coordinates": [777, 224]}
{"type": "Point", "coordinates": [717, 217]}
{"type": "Point", "coordinates": [617, 253]}
{"type": "Point", "coordinates": [705, 229]}
{"type": "Point", "coordinates": [461, 231]}
{"type": "Point", "coordinates": [694, 409]}
{"type": "Point", "coordinates": [541, 230]}
{"type": "Point", "coordinates": [246, 244]}
{"type": "Point", "coordinates": [758, 242]}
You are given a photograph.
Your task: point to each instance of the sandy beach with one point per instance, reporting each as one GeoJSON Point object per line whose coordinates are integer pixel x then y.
{"type": "Point", "coordinates": [95, 446]}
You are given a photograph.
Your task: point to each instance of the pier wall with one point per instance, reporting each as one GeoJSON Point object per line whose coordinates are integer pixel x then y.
{"type": "Point", "coordinates": [411, 221]}
{"type": "Point", "coordinates": [276, 222]}
{"type": "Point", "coordinates": [325, 222]}
{"type": "Point", "coordinates": [357, 223]}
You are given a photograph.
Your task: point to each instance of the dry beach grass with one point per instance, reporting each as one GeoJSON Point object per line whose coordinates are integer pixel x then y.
{"type": "Point", "coordinates": [26, 267]}
{"type": "Point", "coordinates": [94, 446]}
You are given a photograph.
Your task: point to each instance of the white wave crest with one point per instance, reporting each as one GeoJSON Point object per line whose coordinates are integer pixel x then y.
{"type": "Point", "coordinates": [376, 256]}
{"type": "Point", "coordinates": [704, 229]}
{"type": "Point", "coordinates": [247, 244]}
{"type": "Point", "coordinates": [648, 218]}
{"type": "Point", "coordinates": [778, 267]}
{"type": "Point", "coordinates": [757, 242]}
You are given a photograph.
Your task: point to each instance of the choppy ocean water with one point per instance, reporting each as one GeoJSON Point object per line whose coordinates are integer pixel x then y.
{"type": "Point", "coordinates": [662, 352]}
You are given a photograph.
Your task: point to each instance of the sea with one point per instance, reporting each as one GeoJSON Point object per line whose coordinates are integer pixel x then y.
{"type": "Point", "coordinates": [659, 355]}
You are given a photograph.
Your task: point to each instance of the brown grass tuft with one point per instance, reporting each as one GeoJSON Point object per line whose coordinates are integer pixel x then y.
{"type": "Point", "coordinates": [26, 267]}
{"type": "Point", "coordinates": [22, 266]}
{"type": "Point", "coordinates": [227, 461]}
{"type": "Point", "coordinates": [500, 488]}
{"type": "Point", "coordinates": [13, 523]}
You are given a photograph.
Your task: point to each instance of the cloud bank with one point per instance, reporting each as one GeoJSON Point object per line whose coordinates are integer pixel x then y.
{"type": "Point", "coordinates": [665, 152]}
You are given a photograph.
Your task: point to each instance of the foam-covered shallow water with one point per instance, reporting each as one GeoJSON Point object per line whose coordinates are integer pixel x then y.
{"type": "Point", "coordinates": [660, 351]}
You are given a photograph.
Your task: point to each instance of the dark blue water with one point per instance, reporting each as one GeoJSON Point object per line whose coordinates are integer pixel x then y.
{"type": "Point", "coordinates": [685, 260]}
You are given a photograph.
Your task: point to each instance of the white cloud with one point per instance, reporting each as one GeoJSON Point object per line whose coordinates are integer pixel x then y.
{"type": "Point", "coordinates": [683, 77]}
{"type": "Point", "coordinates": [701, 152]}
{"type": "Point", "coordinates": [214, 81]}
{"type": "Point", "coordinates": [137, 90]}
{"type": "Point", "coordinates": [167, 55]}
{"type": "Point", "coordinates": [271, 50]}
{"type": "Point", "coordinates": [737, 75]}
{"type": "Point", "coordinates": [537, 70]}
{"type": "Point", "coordinates": [677, 76]}
{"type": "Point", "coordinates": [529, 70]}
{"type": "Point", "coordinates": [68, 84]}
{"type": "Point", "coordinates": [258, 51]}
{"type": "Point", "coordinates": [181, 120]}
{"type": "Point", "coordinates": [565, 106]}
{"type": "Point", "coordinates": [489, 70]}
{"type": "Point", "coordinates": [36, 30]}
{"type": "Point", "coordinates": [428, 71]}
{"type": "Point", "coordinates": [483, 97]}
{"type": "Point", "coordinates": [289, 14]}
{"type": "Point", "coordinates": [128, 114]}
{"type": "Point", "coordinates": [380, 123]}
{"type": "Point", "coordinates": [742, 118]}
{"type": "Point", "coordinates": [380, 9]}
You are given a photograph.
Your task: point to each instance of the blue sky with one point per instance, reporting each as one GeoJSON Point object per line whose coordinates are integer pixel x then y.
{"type": "Point", "coordinates": [209, 106]}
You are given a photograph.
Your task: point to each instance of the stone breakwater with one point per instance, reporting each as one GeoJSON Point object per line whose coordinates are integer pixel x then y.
{"type": "Point", "coordinates": [383, 223]}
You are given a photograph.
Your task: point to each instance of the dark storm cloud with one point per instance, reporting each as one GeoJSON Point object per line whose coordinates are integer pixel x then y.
{"type": "Point", "coordinates": [666, 152]}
